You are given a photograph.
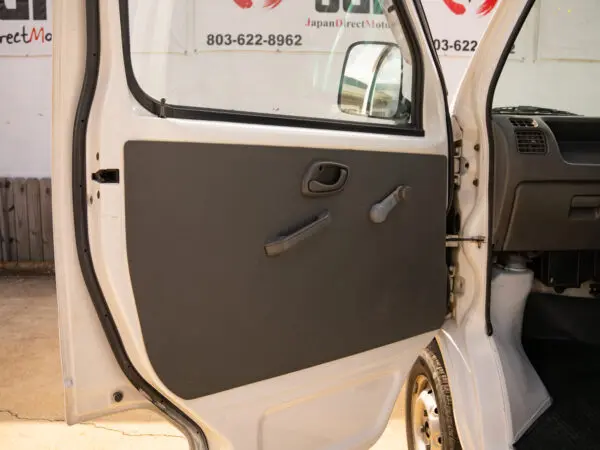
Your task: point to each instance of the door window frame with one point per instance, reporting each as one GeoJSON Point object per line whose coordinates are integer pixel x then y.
{"type": "Point", "coordinates": [163, 109]}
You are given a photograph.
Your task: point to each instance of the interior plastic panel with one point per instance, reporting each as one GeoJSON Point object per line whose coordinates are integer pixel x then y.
{"type": "Point", "coordinates": [218, 312]}
{"type": "Point", "coordinates": [547, 216]}
{"type": "Point", "coordinates": [578, 138]}
{"type": "Point", "coordinates": [547, 201]}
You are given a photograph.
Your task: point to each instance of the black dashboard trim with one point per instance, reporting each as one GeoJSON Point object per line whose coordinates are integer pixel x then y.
{"type": "Point", "coordinates": [551, 200]}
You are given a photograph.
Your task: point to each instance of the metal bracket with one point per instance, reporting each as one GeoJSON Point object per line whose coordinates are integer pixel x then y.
{"type": "Point", "coordinates": [454, 240]}
{"type": "Point", "coordinates": [162, 108]}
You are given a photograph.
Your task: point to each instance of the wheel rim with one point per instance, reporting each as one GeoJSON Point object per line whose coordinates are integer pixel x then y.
{"type": "Point", "coordinates": [427, 434]}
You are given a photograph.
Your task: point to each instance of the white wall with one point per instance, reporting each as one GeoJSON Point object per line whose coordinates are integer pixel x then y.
{"type": "Point", "coordinates": [560, 42]}
{"type": "Point", "coordinates": [25, 88]}
{"type": "Point", "coordinates": [25, 122]}
{"type": "Point", "coordinates": [544, 70]}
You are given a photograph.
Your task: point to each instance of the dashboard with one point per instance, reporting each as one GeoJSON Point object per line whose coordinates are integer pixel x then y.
{"type": "Point", "coordinates": [546, 183]}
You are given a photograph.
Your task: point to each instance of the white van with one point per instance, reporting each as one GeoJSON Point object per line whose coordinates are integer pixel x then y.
{"type": "Point", "coordinates": [259, 237]}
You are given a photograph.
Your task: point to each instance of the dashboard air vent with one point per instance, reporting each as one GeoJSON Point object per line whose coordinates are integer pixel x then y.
{"type": "Point", "coordinates": [531, 141]}
{"type": "Point", "coordinates": [523, 122]}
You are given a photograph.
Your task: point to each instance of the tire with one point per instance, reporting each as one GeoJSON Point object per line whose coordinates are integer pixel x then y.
{"type": "Point", "coordinates": [429, 418]}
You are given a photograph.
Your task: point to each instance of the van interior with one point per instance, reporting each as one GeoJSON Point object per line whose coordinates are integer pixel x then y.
{"type": "Point", "coordinates": [546, 237]}
{"type": "Point", "coordinates": [546, 232]}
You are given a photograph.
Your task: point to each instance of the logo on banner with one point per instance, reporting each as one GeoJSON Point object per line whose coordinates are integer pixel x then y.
{"type": "Point", "coordinates": [269, 4]}
{"type": "Point", "coordinates": [25, 28]}
{"type": "Point", "coordinates": [458, 8]}
{"type": "Point", "coordinates": [326, 6]}
{"type": "Point", "coordinates": [21, 8]}
{"type": "Point", "coordinates": [357, 14]}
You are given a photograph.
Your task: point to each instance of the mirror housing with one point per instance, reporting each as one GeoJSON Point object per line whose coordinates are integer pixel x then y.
{"type": "Point", "coordinates": [372, 82]}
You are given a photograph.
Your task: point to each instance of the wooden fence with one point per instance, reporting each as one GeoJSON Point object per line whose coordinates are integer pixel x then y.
{"type": "Point", "coordinates": [25, 222]}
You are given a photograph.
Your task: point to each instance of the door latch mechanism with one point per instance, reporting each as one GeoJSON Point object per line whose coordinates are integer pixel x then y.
{"type": "Point", "coordinates": [106, 176]}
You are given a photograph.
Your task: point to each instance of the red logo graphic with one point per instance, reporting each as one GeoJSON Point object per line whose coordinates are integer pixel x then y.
{"type": "Point", "coordinates": [459, 9]}
{"type": "Point", "coordinates": [245, 4]}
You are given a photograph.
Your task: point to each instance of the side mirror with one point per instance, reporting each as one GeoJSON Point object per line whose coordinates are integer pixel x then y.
{"type": "Point", "coordinates": [373, 82]}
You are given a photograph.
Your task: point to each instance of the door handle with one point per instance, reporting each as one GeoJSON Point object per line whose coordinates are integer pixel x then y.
{"type": "Point", "coordinates": [324, 178]}
{"type": "Point", "coordinates": [380, 211]}
{"type": "Point", "coordinates": [290, 238]}
{"type": "Point", "coordinates": [585, 207]}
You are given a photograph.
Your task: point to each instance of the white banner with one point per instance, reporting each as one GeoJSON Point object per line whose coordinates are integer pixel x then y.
{"type": "Point", "coordinates": [25, 27]}
{"type": "Point", "coordinates": [313, 25]}
{"type": "Point", "coordinates": [329, 26]}
{"type": "Point", "coordinates": [457, 26]}
{"type": "Point", "coordinates": [269, 25]}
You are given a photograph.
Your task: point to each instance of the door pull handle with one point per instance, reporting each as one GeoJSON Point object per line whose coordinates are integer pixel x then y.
{"type": "Point", "coordinates": [316, 187]}
{"type": "Point", "coordinates": [325, 178]}
{"type": "Point", "coordinates": [585, 207]}
{"type": "Point", "coordinates": [290, 238]}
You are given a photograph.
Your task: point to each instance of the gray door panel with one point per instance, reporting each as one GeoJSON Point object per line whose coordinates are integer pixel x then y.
{"type": "Point", "coordinates": [217, 312]}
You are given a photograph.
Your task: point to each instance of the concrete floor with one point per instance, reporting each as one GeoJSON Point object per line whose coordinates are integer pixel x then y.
{"type": "Point", "coordinates": [31, 394]}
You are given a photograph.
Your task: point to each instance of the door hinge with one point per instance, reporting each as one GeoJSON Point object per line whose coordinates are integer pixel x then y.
{"type": "Point", "coordinates": [453, 240]}
{"type": "Point", "coordinates": [456, 287]}
{"type": "Point", "coordinates": [105, 176]}
{"type": "Point", "coordinates": [460, 163]}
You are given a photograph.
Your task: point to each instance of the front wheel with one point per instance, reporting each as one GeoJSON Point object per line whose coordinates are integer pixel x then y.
{"type": "Point", "coordinates": [429, 418]}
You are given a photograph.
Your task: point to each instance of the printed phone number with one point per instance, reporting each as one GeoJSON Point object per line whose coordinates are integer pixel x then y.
{"type": "Point", "coordinates": [458, 45]}
{"type": "Point", "coordinates": [251, 39]}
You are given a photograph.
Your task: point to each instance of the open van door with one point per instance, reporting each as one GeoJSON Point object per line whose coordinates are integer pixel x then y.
{"type": "Point", "coordinates": [250, 209]}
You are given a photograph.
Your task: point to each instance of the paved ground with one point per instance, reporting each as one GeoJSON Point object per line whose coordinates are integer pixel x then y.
{"type": "Point", "coordinates": [31, 395]}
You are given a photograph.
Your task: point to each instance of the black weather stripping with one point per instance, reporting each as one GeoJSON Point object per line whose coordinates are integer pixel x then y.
{"type": "Point", "coordinates": [191, 430]}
